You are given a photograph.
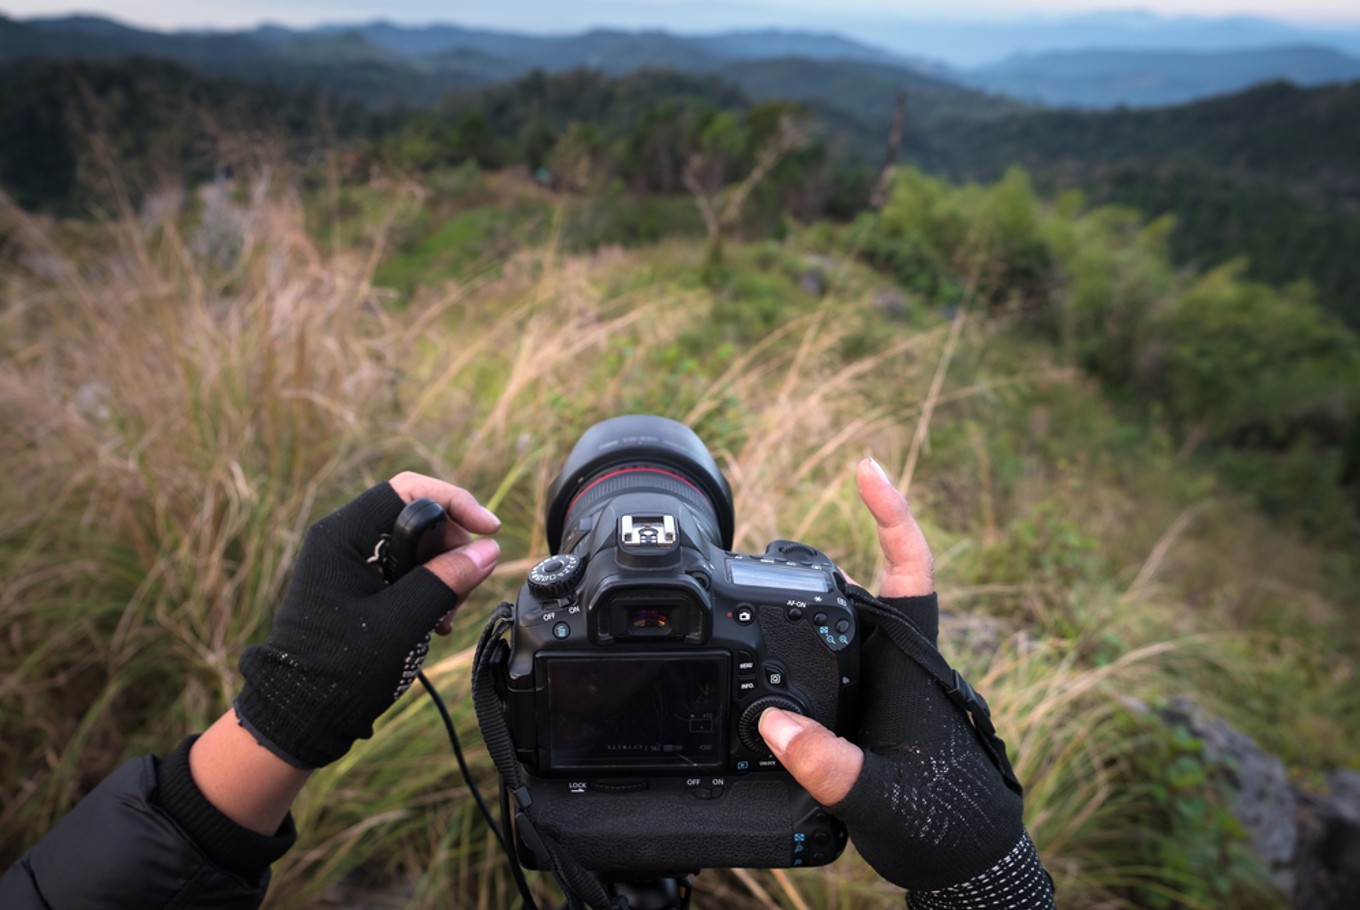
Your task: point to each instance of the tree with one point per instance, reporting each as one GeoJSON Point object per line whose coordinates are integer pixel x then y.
{"type": "Point", "coordinates": [705, 174]}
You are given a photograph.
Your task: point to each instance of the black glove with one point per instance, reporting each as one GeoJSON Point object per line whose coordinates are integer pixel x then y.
{"type": "Point", "coordinates": [344, 645]}
{"type": "Point", "coordinates": [930, 808]}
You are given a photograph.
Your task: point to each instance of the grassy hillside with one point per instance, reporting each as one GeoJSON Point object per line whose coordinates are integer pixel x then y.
{"type": "Point", "coordinates": [152, 505]}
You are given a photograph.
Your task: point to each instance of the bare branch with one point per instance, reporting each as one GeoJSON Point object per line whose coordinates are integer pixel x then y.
{"type": "Point", "coordinates": [878, 196]}
{"type": "Point", "coordinates": [791, 136]}
{"type": "Point", "coordinates": [704, 198]}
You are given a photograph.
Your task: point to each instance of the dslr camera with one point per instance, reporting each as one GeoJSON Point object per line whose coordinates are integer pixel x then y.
{"type": "Point", "coordinates": [643, 651]}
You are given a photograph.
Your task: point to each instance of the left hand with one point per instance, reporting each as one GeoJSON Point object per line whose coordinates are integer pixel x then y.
{"type": "Point", "coordinates": [825, 764]}
{"type": "Point", "coordinates": [925, 805]}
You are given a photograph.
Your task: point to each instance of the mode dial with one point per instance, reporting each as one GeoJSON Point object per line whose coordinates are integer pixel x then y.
{"type": "Point", "coordinates": [748, 728]}
{"type": "Point", "coordinates": [555, 576]}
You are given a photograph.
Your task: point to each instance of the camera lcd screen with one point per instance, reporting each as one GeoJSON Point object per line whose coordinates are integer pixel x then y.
{"type": "Point", "coordinates": [786, 578]}
{"type": "Point", "coordinates": [651, 712]}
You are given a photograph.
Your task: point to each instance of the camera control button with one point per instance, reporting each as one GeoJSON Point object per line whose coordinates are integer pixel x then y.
{"type": "Point", "coordinates": [748, 728]}
{"type": "Point", "coordinates": [792, 550]}
{"type": "Point", "coordinates": [706, 789]}
{"type": "Point", "coordinates": [744, 614]}
{"type": "Point", "coordinates": [555, 576]}
{"type": "Point", "coordinates": [561, 631]}
{"type": "Point", "coordinates": [842, 625]}
{"type": "Point", "coordinates": [819, 619]}
{"type": "Point", "coordinates": [794, 614]}
{"type": "Point", "coordinates": [775, 676]}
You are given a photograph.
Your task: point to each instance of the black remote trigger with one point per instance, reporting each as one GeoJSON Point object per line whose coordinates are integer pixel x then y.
{"type": "Point", "coordinates": [417, 537]}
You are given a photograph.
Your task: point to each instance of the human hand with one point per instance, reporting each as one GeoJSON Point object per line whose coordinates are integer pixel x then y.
{"type": "Point", "coordinates": [345, 644]}
{"type": "Point", "coordinates": [925, 805]}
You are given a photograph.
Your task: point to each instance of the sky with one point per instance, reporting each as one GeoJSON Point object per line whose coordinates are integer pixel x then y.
{"type": "Point", "coordinates": [677, 15]}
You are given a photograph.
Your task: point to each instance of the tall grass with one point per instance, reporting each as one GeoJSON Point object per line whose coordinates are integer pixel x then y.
{"type": "Point", "coordinates": [185, 387]}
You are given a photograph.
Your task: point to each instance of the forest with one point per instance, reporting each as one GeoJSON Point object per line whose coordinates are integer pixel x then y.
{"type": "Point", "coordinates": [1112, 358]}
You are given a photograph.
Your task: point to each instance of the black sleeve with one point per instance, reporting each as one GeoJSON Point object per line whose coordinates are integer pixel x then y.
{"type": "Point", "coordinates": [234, 848]}
{"type": "Point", "coordinates": [120, 847]}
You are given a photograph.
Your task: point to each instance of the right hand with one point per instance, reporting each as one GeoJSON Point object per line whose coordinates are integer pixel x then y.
{"type": "Point", "coordinates": [345, 644]}
{"type": "Point", "coordinates": [923, 802]}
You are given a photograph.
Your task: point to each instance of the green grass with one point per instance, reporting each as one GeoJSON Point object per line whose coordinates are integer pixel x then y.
{"type": "Point", "coordinates": [177, 419]}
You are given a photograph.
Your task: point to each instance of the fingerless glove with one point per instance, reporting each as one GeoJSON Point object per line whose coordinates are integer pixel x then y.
{"type": "Point", "coordinates": [930, 811]}
{"type": "Point", "coordinates": [344, 645]}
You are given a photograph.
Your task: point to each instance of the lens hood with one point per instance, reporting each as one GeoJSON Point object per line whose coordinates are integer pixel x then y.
{"type": "Point", "coordinates": [646, 441]}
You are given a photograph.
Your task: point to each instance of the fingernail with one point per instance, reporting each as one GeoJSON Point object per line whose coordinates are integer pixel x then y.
{"type": "Point", "coordinates": [491, 515]}
{"type": "Point", "coordinates": [778, 727]}
{"type": "Point", "coordinates": [878, 468]}
{"type": "Point", "coordinates": [483, 552]}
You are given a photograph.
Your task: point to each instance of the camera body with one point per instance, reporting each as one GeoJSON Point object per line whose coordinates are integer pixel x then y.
{"type": "Point", "coordinates": [643, 653]}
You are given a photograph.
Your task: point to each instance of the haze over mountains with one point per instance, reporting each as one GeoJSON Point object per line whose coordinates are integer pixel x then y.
{"type": "Point", "coordinates": [1098, 61]}
{"type": "Point", "coordinates": [1105, 77]}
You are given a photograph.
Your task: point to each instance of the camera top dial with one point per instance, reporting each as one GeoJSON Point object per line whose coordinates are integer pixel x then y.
{"type": "Point", "coordinates": [556, 576]}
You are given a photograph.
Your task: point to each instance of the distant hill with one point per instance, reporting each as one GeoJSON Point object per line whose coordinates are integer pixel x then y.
{"type": "Point", "coordinates": [966, 43]}
{"type": "Point", "coordinates": [343, 64]}
{"type": "Point", "coordinates": [1140, 78]}
{"type": "Point", "coordinates": [162, 121]}
{"type": "Point", "coordinates": [570, 51]}
{"type": "Point", "coordinates": [864, 89]}
{"type": "Point", "coordinates": [852, 86]}
{"type": "Point", "coordinates": [489, 54]}
{"type": "Point", "coordinates": [1272, 174]}
{"type": "Point", "coordinates": [91, 37]}
{"type": "Point", "coordinates": [382, 63]}
{"type": "Point", "coordinates": [1306, 140]}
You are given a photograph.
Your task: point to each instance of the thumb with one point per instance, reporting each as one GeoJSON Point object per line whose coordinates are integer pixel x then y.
{"type": "Point", "coordinates": [825, 764]}
{"type": "Point", "coordinates": [465, 567]}
{"type": "Point", "coordinates": [460, 570]}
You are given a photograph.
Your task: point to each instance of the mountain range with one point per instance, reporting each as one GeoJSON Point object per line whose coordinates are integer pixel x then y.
{"type": "Point", "coordinates": [382, 63]}
{"type": "Point", "coordinates": [1106, 77]}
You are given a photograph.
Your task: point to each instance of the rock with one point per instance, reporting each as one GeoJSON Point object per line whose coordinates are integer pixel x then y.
{"type": "Point", "coordinates": [890, 302]}
{"type": "Point", "coordinates": [1328, 868]}
{"type": "Point", "coordinates": [813, 282]}
{"type": "Point", "coordinates": [818, 269]}
{"type": "Point", "coordinates": [92, 401]}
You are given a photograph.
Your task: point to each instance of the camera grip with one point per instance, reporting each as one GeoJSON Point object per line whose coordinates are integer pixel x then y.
{"type": "Point", "coordinates": [817, 670]}
{"type": "Point", "coordinates": [673, 827]}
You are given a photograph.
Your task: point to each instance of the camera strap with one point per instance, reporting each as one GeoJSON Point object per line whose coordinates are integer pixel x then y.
{"type": "Point", "coordinates": [578, 883]}
{"type": "Point", "coordinates": [912, 642]}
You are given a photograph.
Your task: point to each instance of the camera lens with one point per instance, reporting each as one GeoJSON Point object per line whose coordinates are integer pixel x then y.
{"type": "Point", "coordinates": [640, 453]}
